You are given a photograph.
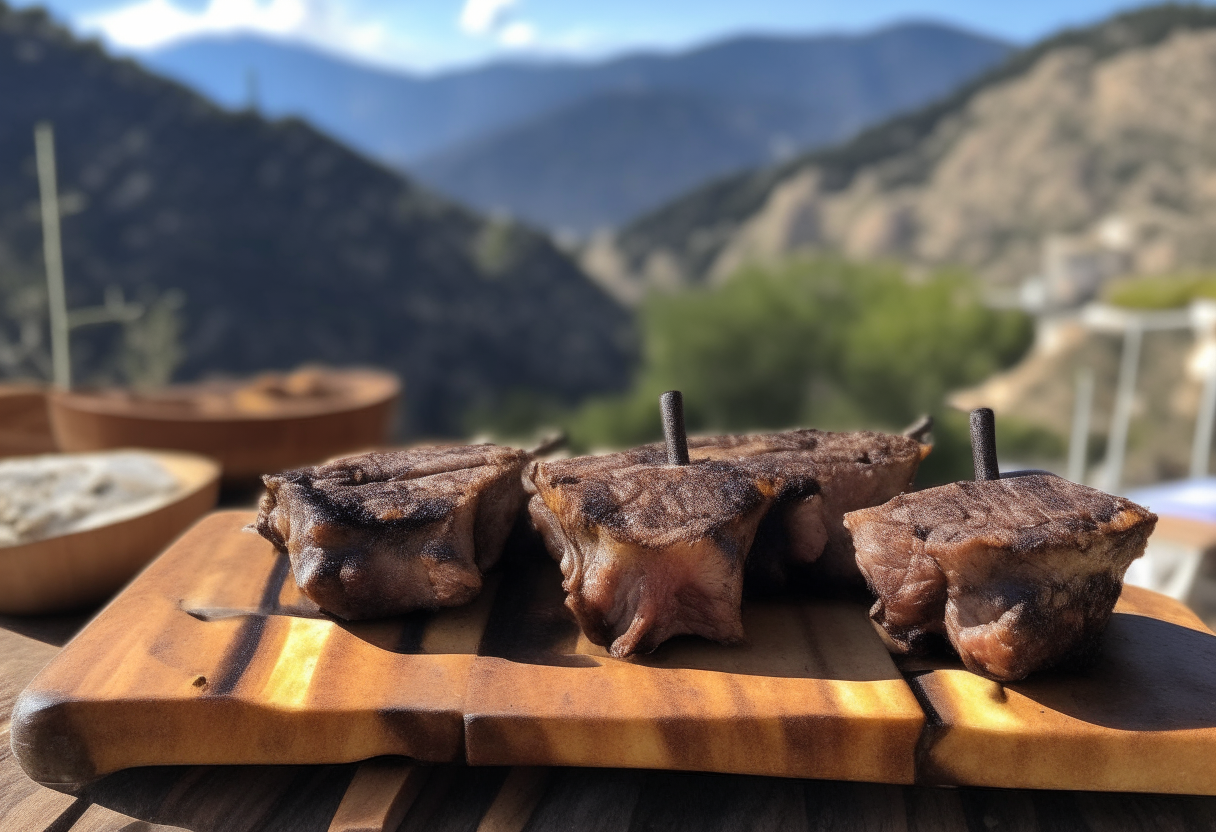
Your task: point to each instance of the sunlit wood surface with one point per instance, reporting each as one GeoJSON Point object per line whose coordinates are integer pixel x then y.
{"type": "Point", "coordinates": [391, 794]}
{"type": "Point", "coordinates": [1142, 718]}
{"type": "Point", "coordinates": [214, 657]}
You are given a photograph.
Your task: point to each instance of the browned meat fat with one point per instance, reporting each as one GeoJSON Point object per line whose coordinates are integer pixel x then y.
{"type": "Point", "coordinates": [821, 476]}
{"type": "Point", "coordinates": [1019, 574]}
{"type": "Point", "coordinates": [387, 533]}
{"type": "Point", "coordinates": [648, 550]}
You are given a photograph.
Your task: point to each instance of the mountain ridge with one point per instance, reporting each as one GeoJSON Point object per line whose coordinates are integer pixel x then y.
{"type": "Point", "coordinates": [686, 238]}
{"type": "Point", "coordinates": [286, 247]}
{"type": "Point", "coordinates": [816, 89]}
{"type": "Point", "coordinates": [566, 79]}
{"type": "Point", "coordinates": [559, 170]}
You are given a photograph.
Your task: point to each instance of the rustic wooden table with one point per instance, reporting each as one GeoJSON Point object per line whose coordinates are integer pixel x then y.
{"type": "Point", "coordinates": [390, 794]}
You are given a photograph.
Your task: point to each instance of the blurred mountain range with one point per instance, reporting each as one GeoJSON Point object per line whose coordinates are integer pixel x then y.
{"type": "Point", "coordinates": [1109, 130]}
{"type": "Point", "coordinates": [577, 146]}
{"type": "Point", "coordinates": [275, 245]}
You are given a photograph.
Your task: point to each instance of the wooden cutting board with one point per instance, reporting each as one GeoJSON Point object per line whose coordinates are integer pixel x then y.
{"type": "Point", "coordinates": [812, 694]}
{"type": "Point", "coordinates": [1142, 719]}
{"type": "Point", "coordinates": [213, 656]}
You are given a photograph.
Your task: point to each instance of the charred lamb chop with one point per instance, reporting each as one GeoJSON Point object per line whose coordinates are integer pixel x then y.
{"type": "Point", "coordinates": [387, 533]}
{"type": "Point", "coordinates": [650, 547]}
{"type": "Point", "coordinates": [1018, 573]}
{"type": "Point", "coordinates": [821, 476]}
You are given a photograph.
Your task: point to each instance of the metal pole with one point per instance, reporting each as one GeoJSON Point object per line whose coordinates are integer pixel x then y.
{"type": "Point", "coordinates": [1082, 411]}
{"type": "Point", "coordinates": [1116, 445]}
{"type": "Point", "coordinates": [52, 252]}
{"type": "Point", "coordinates": [1201, 448]}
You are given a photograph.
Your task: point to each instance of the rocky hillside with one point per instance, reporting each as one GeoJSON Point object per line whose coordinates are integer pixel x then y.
{"type": "Point", "coordinates": [1115, 120]}
{"type": "Point", "coordinates": [265, 244]}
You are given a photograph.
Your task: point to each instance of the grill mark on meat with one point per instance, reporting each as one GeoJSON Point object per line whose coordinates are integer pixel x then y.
{"type": "Point", "coordinates": [1030, 569]}
{"type": "Point", "coordinates": [638, 505]}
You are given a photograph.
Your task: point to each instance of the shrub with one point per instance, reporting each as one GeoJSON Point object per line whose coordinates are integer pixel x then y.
{"type": "Point", "coordinates": [822, 342]}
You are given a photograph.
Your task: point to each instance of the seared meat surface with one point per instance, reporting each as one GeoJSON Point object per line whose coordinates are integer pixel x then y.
{"type": "Point", "coordinates": [648, 550]}
{"type": "Point", "coordinates": [1019, 574]}
{"type": "Point", "coordinates": [822, 476]}
{"type": "Point", "coordinates": [818, 476]}
{"type": "Point", "coordinates": [386, 533]}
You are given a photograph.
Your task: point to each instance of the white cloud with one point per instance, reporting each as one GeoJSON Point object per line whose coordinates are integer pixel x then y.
{"type": "Point", "coordinates": [517, 34]}
{"type": "Point", "coordinates": [497, 19]}
{"type": "Point", "coordinates": [146, 24]}
{"type": "Point", "coordinates": [483, 17]}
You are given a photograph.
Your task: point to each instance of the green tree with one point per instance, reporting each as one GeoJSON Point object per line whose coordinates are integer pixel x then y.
{"type": "Point", "coordinates": [822, 342]}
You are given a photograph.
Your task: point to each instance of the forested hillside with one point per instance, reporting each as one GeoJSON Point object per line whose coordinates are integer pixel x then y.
{"type": "Point", "coordinates": [261, 244]}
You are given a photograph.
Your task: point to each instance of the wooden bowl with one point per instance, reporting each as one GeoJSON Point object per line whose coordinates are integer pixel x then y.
{"type": "Point", "coordinates": [250, 436]}
{"type": "Point", "coordinates": [82, 568]}
{"type": "Point", "coordinates": [25, 426]}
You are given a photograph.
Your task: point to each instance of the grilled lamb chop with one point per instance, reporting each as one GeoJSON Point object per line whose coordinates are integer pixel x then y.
{"type": "Point", "coordinates": [649, 550]}
{"type": "Point", "coordinates": [387, 533]}
{"type": "Point", "coordinates": [818, 477]}
{"type": "Point", "coordinates": [1020, 574]}
{"type": "Point", "coordinates": [821, 476]}
{"type": "Point", "coordinates": [651, 544]}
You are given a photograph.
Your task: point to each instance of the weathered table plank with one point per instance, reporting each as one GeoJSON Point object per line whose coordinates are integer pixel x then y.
{"type": "Point", "coordinates": [379, 796]}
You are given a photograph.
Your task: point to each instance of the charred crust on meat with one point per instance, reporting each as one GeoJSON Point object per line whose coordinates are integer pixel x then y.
{"type": "Point", "coordinates": [1031, 566]}
{"type": "Point", "coordinates": [651, 506]}
{"type": "Point", "coordinates": [391, 532]}
{"type": "Point", "coordinates": [649, 550]}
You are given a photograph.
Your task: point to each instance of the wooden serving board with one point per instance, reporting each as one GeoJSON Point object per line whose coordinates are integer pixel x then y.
{"type": "Point", "coordinates": [213, 656]}
{"type": "Point", "coordinates": [1142, 719]}
{"type": "Point", "coordinates": [812, 694]}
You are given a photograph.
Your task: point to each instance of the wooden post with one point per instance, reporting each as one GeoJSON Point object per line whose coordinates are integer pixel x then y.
{"type": "Point", "coordinates": [52, 252]}
{"type": "Point", "coordinates": [983, 444]}
{"type": "Point", "coordinates": [671, 404]}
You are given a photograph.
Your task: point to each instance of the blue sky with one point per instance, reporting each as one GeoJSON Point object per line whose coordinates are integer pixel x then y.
{"type": "Point", "coordinates": [433, 34]}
